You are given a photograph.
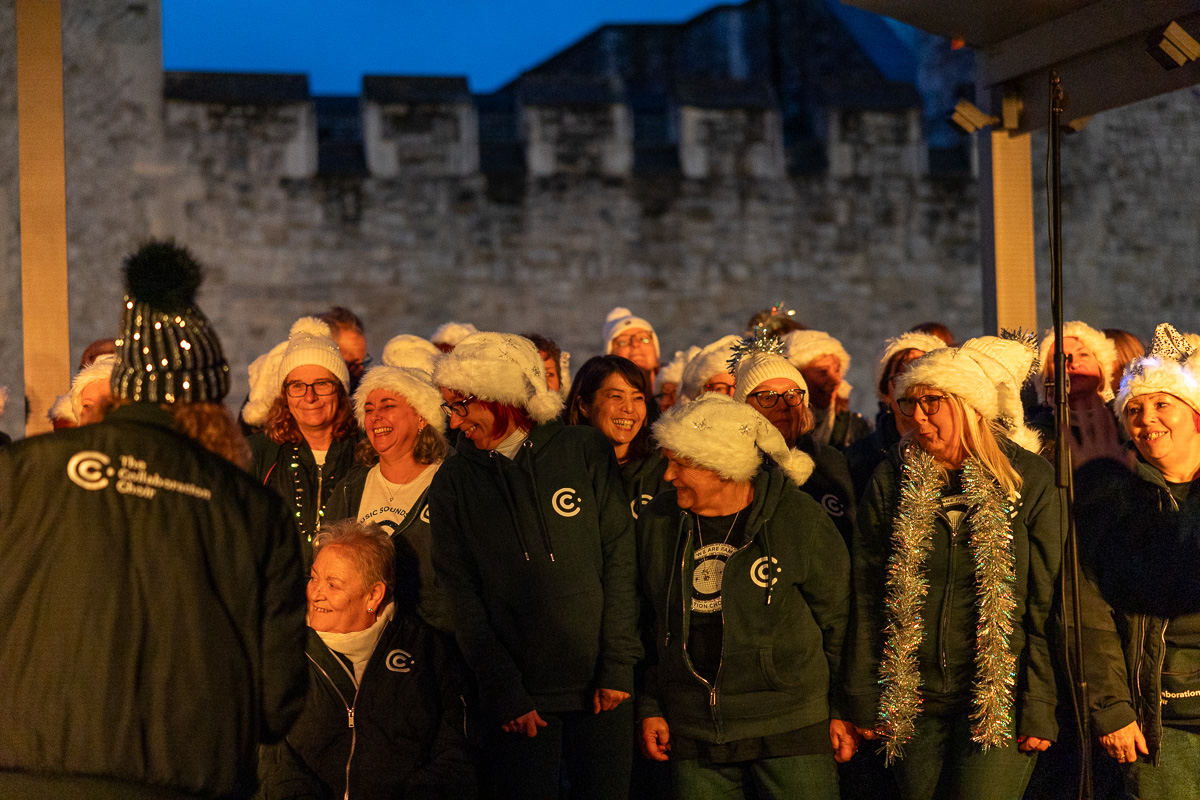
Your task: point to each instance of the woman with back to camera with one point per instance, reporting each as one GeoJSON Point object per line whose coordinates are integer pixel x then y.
{"type": "Point", "coordinates": [400, 683]}
{"type": "Point", "coordinates": [533, 540]}
{"type": "Point", "coordinates": [308, 440]}
{"type": "Point", "coordinates": [609, 393]}
{"type": "Point", "coordinates": [400, 412]}
{"type": "Point", "coordinates": [955, 564]}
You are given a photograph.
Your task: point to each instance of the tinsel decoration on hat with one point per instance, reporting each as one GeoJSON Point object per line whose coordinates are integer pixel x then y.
{"type": "Point", "coordinates": [762, 341]}
{"type": "Point", "coordinates": [907, 585]}
{"type": "Point", "coordinates": [168, 350]}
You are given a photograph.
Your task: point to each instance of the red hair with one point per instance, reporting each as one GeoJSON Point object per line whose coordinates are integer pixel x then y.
{"type": "Point", "coordinates": [505, 415]}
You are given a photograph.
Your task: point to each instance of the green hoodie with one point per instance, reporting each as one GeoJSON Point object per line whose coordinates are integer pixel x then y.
{"type": "Point", "coordinates": [537, 557]}
{"type": "Point", "coordinates": [785, 604]}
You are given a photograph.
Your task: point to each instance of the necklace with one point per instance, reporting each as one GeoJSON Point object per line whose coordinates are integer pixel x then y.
{"type": "Point", "coordinates": [729, 533]}
{"type": "Point", "coordinates": [388, 484]}
{"type": "Point", "coordinates": [298, 488]}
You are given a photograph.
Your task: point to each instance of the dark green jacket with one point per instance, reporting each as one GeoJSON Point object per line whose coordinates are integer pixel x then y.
{"type": "Point", "coordinates": [830, 485]}
{"type": "Point", "coordinates": [153, 621]}
{"type": "Point", "coordinates": [294, 474]}
{"type": "Point", "coordinates": [416, 588]}
{"type": "Point", "coordinates": [785, 599]}
{"type": "Point", "coordinates": [1129, 660]}
{"type": "Point", "coordinates": [538, 559]}
{"type": "Point", "coordinates": [408, 738]}
{"type": "Point", "coordinates": [946, 656]}
{"type": "Point", "coordinates": [643, 479]}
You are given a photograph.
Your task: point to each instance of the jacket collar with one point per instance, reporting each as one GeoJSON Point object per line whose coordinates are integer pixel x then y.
{"type": "Point", "coordinates": [143, 414]}
{"type": "Point", "coordinates": [539, 436]}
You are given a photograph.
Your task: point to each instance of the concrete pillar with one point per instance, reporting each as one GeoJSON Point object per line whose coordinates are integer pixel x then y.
{"type": "Point", "coordinates": [1006, 231]}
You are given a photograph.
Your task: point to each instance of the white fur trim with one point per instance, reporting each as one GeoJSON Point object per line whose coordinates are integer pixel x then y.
{"type": "Point", "coordinates": [956, 372]}
{"type": "Point", "coordinates": [1026, 437]}
{"type": "Point", "coordinates": [912, 340]}
{"type": "Point", "coordinates": [503, 368]}
{"type": "Point", "coordinates": [804, 347]}
{"type": "Point", "coordinates": [1150, 374]}
{"type": "Point", "coordinates": [407, 350]}
{"type": "Point", "coordinates": [452, 333]}
{"type": "Point", "coordinates": [99, 370]}
{"type": "Point", "coordinates": [1101, 346]}
{"type": "Point", "coordinates": [415, 386]}
{"type": "Point", "coordinates": [711, 360]}
{"type": "Point", "coordinates": [673, 372]}
{"type": "Point", "coordinates": [622, 319]}
{"type": "Point", "coordinates": [61, 410]}
{"type": "Point", "coordinates": [265, 381]}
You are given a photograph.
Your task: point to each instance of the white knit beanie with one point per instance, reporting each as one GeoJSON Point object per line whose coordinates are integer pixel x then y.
{"type": "Point", "coordinates": [99, 370]}
{"type": "Point", "coordinates": [673, 372]}
{"type": "Point", "coordinates": [502, 368]}
{"type": "Point", "coordinates": [452, 333]}
{"type": "Point", "coordinates": [620, 320]}
{"type": "Point", "coordinates": [957, 372]}
{"type": "Point", "coordinates": [1172, 366]}
{"type": "Point", "coordinates": [912, 340]}
{"type": "Point", "coordinates": [805, 347]}
{"type": "Point", "coordinates": [729, 438]}
{"type": "Point", "coordinates": [1101, 346]}
{"type": "Point", "coordinates": [758, 367]}
{"type": "Point", "coordinates": [413, 385]}
{"type": "Point", "coordinates": [265, 381]}
{"type": "Point", "coordinates": [310, 343]}
{"type": "Point", "coordinates": [1009, 362]}
{"type": "Point", "coordinates": [711, 360]}
{"type": "Point", "coordinates": [407, 350]}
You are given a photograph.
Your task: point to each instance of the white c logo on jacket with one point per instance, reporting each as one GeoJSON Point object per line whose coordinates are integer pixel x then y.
{"type": "Point", "coordinates": [400, 661]}
{"type": "Point", "coordinates": [760, 571]}
{"type": "Point", "coordinates": [565, 502]}
{"type": "Point", "coordinates": [87, 468]}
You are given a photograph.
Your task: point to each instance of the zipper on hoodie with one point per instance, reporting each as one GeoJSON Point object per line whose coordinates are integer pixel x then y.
{"type": "Point", "coordinates": [947, 596]}
{"type": "Point", "coordinates": [349, 720]}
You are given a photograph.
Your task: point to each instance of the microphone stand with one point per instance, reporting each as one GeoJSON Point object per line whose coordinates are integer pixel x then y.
{"type": "Point", "coordinates": [1062, 458]}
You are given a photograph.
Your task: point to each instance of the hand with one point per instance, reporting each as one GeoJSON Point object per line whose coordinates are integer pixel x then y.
{"type": "Point", "coordinates": [844, 738]}
{"type": "Point", "coordinates": [655, 739]}
{"type": "Point", "coordinates": [607, 699]}
{"type": "Point", "coordinates": [869, 734]}
{"type": "Point", "coordinates": [1097, 433]}
{"type": "Point", "coordinates": [526, 724]}
{"type": "Point", "coordinates": [1032, 744]}
{"type": "Point", "coordinates": [1125, 744]}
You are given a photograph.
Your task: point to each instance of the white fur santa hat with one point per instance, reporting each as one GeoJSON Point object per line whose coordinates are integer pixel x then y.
{"type": "Point", "coordinates": [265, 381]}
{"type": "Point", "coordinates": [1100, 346]}
{"type": "Point", "coordinates": [729, 438]}
{"type": "Point", "coordinates": [711, 360]}
{"type": "Point", "coordinates": [414, 385]}
{"type": "Point", "coordinates": [99, 370]}
{"type": "Point", "coordinates": [1172, 366]}
{"type": "Point", "coordinates": [451, 333]}
{"type": "Point", "coordinates": [912, 340]}
{"type": "Point", "coordinates": [411, 351]}
{"type": "Point", "coordinates": [310, 343]}
{"type": "Point", "coordinates": [622, 319]}
{"type": "Point", "coordinates": [805, 347]}
{"type": "Point", "coordinates": [1009, 360]}
{"type": "Point", "coordinates": [673, 372]}
{"type": "Point", "coordinates": [956, 371]}
{"type": "Point", "coordinates": [502, 368]}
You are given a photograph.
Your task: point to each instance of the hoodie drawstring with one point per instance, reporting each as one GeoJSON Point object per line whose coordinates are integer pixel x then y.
{"type": "Point", "coordinates": [537, 501]}
{"type": "Point", "coordinates": [512, 508]}
{"type": "Point", "coordinates": [683, 519]}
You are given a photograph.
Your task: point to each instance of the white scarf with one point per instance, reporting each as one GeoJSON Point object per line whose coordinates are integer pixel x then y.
{"type": "Point", "coordinates": [359, 645]}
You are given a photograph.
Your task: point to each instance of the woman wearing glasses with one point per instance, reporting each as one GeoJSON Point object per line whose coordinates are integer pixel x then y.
{"type": "Point", "coordinates": [954, 569]}
{"type": "Point", "coordinates": [709, 371]}
{"type": "Point", "coordinates": [533, 540]}
{"type": "Point", "coordinates": [307, 443]}
{"type": "Point", "coordinates": [769, 384]}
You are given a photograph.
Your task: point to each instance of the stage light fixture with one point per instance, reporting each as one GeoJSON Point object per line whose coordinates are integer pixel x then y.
{"type": "Point", "coordinates": [1173, 47]}
{"type": "Point", "coordinates": [968, 117]}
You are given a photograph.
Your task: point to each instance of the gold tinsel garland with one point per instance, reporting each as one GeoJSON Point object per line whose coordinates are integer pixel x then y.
{"type": "Point", "coordinates": [907, 586]}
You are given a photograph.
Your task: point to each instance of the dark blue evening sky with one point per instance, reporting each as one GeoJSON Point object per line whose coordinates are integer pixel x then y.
{"type": "Point", "coordinates": [336, 41]}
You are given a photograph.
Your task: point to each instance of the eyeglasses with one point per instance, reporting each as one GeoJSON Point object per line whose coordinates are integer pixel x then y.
{"type": "Point", "coordinates": [458, 407]}
{"type": "Point", "coordinates": [723, 388]}
{"type": "Point", "coordinates": [929, 403]}
{"type": "Point", "coordinates": [359, 367]}
{"type": "Point", "coordinates": [768, 399]}
{"type": "Point", "coordinates": [630, 341]}
{"type": "Point", "coordinates": [321, 388]}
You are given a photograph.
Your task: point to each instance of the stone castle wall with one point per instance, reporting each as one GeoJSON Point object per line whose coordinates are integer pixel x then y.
{"type": "Point", "coordinates": [864, 249]}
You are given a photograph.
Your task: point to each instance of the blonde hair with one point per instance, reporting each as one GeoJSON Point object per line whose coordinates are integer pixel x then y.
{"type": "Point", "coordinates": [980, 440]}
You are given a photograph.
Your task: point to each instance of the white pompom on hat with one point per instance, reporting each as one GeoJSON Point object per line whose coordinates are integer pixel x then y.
{"type": "Point", "coordinates": [61, 411]}
{"type": "Point", "coordinates": [729, 438]}
{"type": "Point", "coordinates": [451, 333]}
{"type": "Point", "coordinates": [1100, 345]}
{"type": "Point", "coordinates": [805, 347]}
{"type": "Point", "coordinates": [99, 370]}
{"type": "Point", "coordinates": [502, 368]}
{"type": "Point", "coordinates": [407, 350]}
{"type": "Point", "coordinates": [622, 319]}
{"type": "Point", "coordinates": [755, 368]}
{"type": "Point", "coordinates": [310, 343]}
{"type": "Point", "coordinates": [957, 372]}
{"type": "Point", "coordinates": [1172, 366]}
{"type": "Point", "coordinates": [414, 385]}
{"type": "Point", "coordinates": [912, 340]}
{"type": "Point", "coordinates": [265, 381]}
{"type": "Point", "coordinates": [711, 360]}
{"type": "Point", "coordinates": [673, 372]}
{"type": "Point", "coordinates": [1009, 363]}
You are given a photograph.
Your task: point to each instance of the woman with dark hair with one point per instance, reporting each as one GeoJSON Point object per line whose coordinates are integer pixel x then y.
{"type": "Point", "coordinates": [610, 394]}
{"type": "Point", "coordinates": [533, 540]}
{"type": "Point", "coordinates": [400, 412]}
{"type": "Point", "coordinates": [307, 444]}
